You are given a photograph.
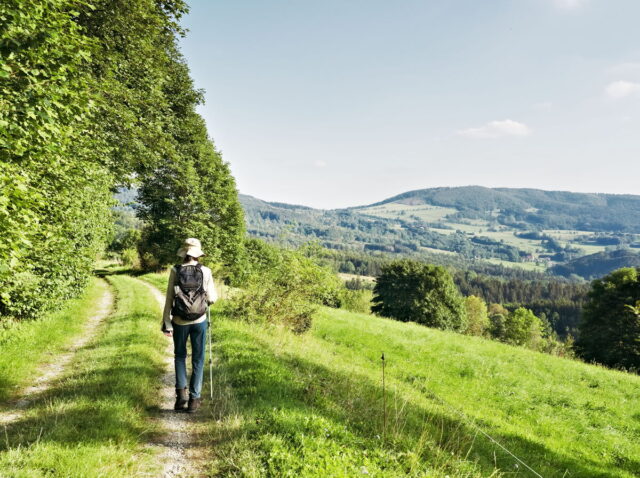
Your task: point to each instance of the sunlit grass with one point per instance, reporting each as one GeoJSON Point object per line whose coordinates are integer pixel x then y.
{"type": "Point", "coordinates": [26, 346]}
{"type": "Point", "coordinates": [95, 421]}
{"type": "Point", "coordinates": [311, 405]}
{"type": "Point", "coordinates": [291, 402]}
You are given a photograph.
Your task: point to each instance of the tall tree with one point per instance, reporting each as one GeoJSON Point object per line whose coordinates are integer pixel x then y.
{"type": "Point", "coordinates": [93, 96]}
{"type": "Point", "coordinates": [191, 193]}
{"type": "Point", "coordinates": [477, 316]}
{"type": "Point", "coordinates": [417, 292]}
{"type": "Point", "coordinates": [610, 329]}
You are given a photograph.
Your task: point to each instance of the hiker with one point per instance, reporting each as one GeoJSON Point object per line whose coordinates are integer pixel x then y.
{"type": "Point", "coordinates": [189, 293]}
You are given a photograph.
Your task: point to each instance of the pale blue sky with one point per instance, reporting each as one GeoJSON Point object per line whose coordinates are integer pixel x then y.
{"type": "Point", "coordinates": [334, 103]}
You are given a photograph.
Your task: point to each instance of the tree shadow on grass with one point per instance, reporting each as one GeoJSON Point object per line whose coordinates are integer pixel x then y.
{"type": "Point", "coordinates": [7, 390]}
{"type": "Point", "coordinates": [264, 382]}
{"type": "Point", "coordinates": [105, 271]}
{"type": "Point", "coordinates": [110, 397]}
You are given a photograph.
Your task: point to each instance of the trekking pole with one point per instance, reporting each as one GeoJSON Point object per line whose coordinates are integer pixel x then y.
{"type": "Point", "coordinates": [210, 354]}
{"type": "Point", "coordinates": [384, 403]}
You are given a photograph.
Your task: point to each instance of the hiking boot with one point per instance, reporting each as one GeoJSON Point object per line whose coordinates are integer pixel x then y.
{"type": "Point", "coordinates": [182, 396]}
{"type": "Point", "coordinates": [194, 404]}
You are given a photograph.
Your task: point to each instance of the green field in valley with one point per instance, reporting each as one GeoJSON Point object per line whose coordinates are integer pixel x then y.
{"type": "Point", "coordinates": [425, 212]}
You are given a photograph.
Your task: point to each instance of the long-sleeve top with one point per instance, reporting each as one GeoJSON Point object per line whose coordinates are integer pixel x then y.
{"type": "Point", "coordinates": [207, 284]}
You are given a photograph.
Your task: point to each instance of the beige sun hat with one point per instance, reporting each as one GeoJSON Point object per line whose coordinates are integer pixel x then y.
{"type": "Point", "coordinates": [190, 247]}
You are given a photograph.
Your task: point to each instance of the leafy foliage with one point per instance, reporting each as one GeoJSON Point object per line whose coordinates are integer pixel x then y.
{"type": "Point", "coordinates": [356, 300]}
{"type": "Point", "coordinates": [610, 330]}
{"type": "Point", "coordinates": [423, 293]}
{"type": "Point", "coordinates": [283, 287]}
{"type": "Point", "coordinates": [192, 193]}
{"type": "Point", "coordinates": [477, 316]}
{"type": "Point", "coordinates": [522, 327]}
{"type": "Point", "coordinates": [559, 301]}
{"type": "Point", "coordinates": [93, 97]}
{"type": "Point", "coordinates": [55, 191]}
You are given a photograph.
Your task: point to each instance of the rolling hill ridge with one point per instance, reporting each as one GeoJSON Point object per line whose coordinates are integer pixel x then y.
{"type": "Point", "coordinates": [531, 229]}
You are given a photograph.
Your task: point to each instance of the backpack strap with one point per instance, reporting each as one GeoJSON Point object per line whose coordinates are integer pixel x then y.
{"type": "Point", "coordinates": [176, 282]}
{"type": "Point", "coordinates": [199, 267]}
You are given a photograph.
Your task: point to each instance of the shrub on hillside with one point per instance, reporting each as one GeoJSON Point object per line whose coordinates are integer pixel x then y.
{"type": "Point", "coordinates": [412, 291]}
{"type": "Point", "coordinates": [282, 287]}
{"type": "Point", "coordinates": [356, 300]}
{"type": "Point", "coordinates": [477, 316]}
{"type": "Point", "coordinates": [130, 258]}
{"type": "Point", "coordinates": [522, 327]}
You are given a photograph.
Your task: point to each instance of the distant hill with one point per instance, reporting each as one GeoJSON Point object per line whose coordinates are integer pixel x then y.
{"type": "Point", "coordinates": [599, 264]}
{"type": "Point", "coordinates": [530, 229]}
{"type": "Point", "coordinates": [534, 207]}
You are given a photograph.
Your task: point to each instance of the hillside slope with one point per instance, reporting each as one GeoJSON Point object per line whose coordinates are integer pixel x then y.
{"type": "Point", "coordinates": [599, 264]}
{"type": "Point", "coordinates": [312, 405]}
{"type": "Point", "coordinates": [547, 209]}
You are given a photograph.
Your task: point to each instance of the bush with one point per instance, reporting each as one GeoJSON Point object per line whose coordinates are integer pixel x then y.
{"type": "Point", "coordinates": [356, 300]}
{"type": "Point", "coordinates": [130, 258]}
{"type": "Point", "coordinates": [282, 287]}
{"type": "Point", "coordinates": [477, 316]}
{"type": "Point", "coordinates": [522, 327]}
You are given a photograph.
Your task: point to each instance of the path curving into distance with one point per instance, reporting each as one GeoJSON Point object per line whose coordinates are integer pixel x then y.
{"type": "Point", "coordinates": [180, 451]}
{"type": "Point", "coordinates": [53, 370]}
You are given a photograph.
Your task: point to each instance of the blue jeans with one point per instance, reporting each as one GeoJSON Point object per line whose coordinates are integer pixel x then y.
{"type": "Point", "coordinates": [198, 335]}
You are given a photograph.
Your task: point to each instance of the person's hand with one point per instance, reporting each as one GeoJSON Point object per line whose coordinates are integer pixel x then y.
{"type": "Point", "coordinates": [168, 333]}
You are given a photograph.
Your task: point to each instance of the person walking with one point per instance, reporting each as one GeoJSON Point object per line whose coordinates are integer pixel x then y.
{"type": "Point", "coordinates": [189, 292]}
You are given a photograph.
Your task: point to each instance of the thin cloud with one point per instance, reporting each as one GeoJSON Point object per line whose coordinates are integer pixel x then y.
{"type": "Point", "coordinates": [320, 164]}
{"type": "Point", "coordinates": [618, 90]}
{"type": "Point", "coordinates": [627, 68]}
{"type": "Point", "coordinates": [497, 129]}
{"type": "Point", "coordinates": [543, 106]}
{"type": "Point", "coordinates": [569, 4]}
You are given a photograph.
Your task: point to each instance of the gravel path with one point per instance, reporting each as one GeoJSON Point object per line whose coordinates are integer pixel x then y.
{"type": "Point", "coordinates": [180, 450]}
{"type": "Point", "coordinates": [53, 370]}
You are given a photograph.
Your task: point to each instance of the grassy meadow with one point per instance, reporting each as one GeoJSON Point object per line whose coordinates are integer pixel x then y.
{"type": "Point", "coordinates": [312, 405]}
{"type": "Point", "coordinates": [289, 405]}
{"type": "Point", "coordinates": [95, 420]}
{"type": "Point", "coordinates": [426, 212]}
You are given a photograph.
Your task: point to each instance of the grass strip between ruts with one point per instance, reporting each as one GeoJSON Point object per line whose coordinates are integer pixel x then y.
{"type": "Point", "coordinates": [95, 421]}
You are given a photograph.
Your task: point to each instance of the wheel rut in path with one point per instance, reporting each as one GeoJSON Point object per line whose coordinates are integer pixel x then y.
{"type": "Point", "coordinates": [182, 454]}
{"type": "Point", "coordinates": [53, 370]}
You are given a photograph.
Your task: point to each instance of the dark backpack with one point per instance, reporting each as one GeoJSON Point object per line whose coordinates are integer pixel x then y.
{"type": "Point", "coordinates": [190, 300]}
